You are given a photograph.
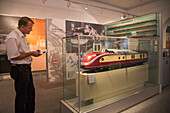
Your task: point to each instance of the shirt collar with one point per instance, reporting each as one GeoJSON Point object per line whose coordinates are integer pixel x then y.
{"type": "Point", "coordinates": [20, 33]}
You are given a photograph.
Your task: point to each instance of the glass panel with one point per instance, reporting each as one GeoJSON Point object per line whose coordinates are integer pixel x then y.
{"type": "Point", "coordinates": [70, 69]}
{"type": "Point", "coordinates": [103, 70]}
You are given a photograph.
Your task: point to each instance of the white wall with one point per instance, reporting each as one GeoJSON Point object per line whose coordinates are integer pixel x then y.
{"type": "Point", "coordinates": [58, 9]}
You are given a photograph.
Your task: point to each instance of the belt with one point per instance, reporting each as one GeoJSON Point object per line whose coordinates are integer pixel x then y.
{"type": "Point", "coordinates": [21, 65]}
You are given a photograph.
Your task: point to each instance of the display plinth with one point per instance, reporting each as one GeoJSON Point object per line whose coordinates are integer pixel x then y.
{"type": "Point", "coordinates": [110, 83]}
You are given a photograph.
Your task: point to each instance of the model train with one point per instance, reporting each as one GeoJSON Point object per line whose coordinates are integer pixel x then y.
{"type": "Point", "coordinates": [113, 58]}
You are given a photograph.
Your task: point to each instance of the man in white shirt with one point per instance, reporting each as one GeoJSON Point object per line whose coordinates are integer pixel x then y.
{"type": "Point", "coordinates": [19, 55]}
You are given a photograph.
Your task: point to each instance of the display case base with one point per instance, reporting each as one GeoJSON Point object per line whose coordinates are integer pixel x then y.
{"type": "Point", "coordinates": [111, 83]}
{"type": "Point", "coordinates": [112, 105]}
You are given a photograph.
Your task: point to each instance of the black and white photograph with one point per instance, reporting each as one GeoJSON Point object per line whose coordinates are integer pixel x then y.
{"type": "Point", "coordinates": [2, 45]}
{"type": "Point", "coordinates": [82, 28]}
{"type": "Point", "coordinates": [7, 24]}
{"type": "Point", "coordinates": [74, 28]}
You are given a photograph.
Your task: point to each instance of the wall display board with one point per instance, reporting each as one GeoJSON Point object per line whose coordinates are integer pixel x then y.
{"type": "Point", "coordinates": [143, 26]}
{"type": "Point", "coordinates": [7, 24]}
{"type": "Point", "coordinates": [55, 29]}
{"type": "Point", "coordinates": [36, 39]}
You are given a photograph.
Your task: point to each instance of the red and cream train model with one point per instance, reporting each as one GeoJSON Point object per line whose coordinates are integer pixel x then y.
{"type": "Point", "coordinates": [113, 58]}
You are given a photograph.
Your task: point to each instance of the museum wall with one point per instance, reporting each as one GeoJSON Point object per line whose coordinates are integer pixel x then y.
{"type": "Point", "coordinates": [73, 12]}
{"type": "Point", "coordinates": [54, 11]}
{"type": "Point", "coordinates": [62, 11]}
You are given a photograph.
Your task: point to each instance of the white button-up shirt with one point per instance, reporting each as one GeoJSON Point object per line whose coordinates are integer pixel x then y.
{"type": "Point", "coordinates": [16, 42]}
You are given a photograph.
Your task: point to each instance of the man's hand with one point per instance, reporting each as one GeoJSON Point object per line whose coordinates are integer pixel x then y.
{"type": "Point", "coordinates": [35, 53]}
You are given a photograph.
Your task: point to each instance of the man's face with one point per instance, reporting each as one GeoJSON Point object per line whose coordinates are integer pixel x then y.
{"type": "Point", "coordinates": [28, 28]}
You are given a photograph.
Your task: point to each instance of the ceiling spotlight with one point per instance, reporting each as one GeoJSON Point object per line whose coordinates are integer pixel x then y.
{"type": "Point", "coordinates": [44, 1]}
{"type": "Point", "coordinates": [101, 12]}
{"type": "Point", "coordinates": [86, 7]}
{"type": "Point", "coordinates": [124, 16]}
{"type": "Point", "coordinates": [68, 4]}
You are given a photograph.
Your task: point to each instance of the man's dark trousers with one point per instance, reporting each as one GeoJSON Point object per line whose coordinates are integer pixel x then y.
{"type": "Point", "coordinates": [24, 88]}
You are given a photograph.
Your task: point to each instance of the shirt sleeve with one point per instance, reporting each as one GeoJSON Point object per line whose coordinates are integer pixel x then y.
{"type": "Point", "coordinates": [12, 48]}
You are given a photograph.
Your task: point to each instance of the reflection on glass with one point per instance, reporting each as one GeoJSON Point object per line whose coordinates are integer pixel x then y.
{"type": "Point", "coordinates": [111, 69]}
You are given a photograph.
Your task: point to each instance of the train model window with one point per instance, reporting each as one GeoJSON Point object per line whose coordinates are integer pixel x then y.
{"type": "Point", "coordinates": [102, 59]}
{"type": "Point", "coordinates": [118, 57]}
{"type": "Point", "coordinates": [133, 56]}
{"type": "Point", "coordinates": [140, 56]}
{"type": "Point", "coordinates": [143, 55]}
{"type": "Point", "coordinates": [123, 57]}
{"type": "Point", "coordinates": [124, 52]}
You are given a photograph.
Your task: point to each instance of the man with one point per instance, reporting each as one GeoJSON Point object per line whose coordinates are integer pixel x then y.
{"type": "Point", "coordinates": [19, 54]}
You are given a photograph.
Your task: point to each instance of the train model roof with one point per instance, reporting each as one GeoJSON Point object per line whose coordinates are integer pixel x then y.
{"type": "Point", "coordinates": [118, 51]}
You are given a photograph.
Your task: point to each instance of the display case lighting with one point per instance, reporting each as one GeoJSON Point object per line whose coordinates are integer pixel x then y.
{"type": "Point", "coordinates": [85, 8]}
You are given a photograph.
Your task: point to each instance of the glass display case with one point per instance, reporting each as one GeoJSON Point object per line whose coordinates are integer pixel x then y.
{"type": "Point", "coordinates": [166, 52]}
{"type": "Point", "coordinates": [166, 67]}
{"type": "Point", "coordinates": [98, 71]}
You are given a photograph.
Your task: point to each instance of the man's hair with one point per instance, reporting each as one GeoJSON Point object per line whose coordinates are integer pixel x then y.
{"type": "Point", "coordinates": [24, 21]}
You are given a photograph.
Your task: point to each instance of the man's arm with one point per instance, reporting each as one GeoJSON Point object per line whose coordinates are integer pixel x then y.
{"type": "Point", "coordinates": [24, 55]}
{"type": "Point", "coordinates": [13, 52]}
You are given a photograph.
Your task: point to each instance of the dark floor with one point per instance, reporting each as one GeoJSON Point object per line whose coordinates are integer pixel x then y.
{"type": "Point", "coordinates": [49, 94]}
{"type": "Point", "coordinates": [156, 104]}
